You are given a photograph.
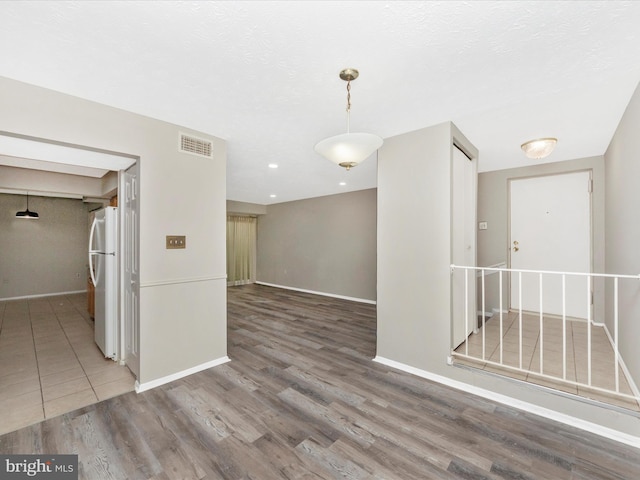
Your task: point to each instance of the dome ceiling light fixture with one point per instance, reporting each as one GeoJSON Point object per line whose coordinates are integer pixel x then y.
{"type": "Point", "coordinates": [348, 149]}
{"type": "Point", "coordinates": [26, 213]}
{"type": "Point", "coordinates": [539, 148]}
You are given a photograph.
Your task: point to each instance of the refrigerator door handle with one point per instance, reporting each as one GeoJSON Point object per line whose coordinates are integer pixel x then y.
{"type": "Point", "coordinates": [92, 252]}
{"type": "Point", "coordinates": [91, 273]}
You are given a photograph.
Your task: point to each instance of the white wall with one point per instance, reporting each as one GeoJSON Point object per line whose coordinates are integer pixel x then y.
{"type": "Point", "coordinates": [183, 292]}
{"type": "Point", "coordinates": [414, 277]}
{"type": "Point", "coordinates": [622, 173]}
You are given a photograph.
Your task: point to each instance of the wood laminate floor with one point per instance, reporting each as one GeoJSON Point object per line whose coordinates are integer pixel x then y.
{"type": "Point", "coordinates": [301, 399]}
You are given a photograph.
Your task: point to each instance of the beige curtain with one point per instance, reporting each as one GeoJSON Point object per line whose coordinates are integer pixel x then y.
{"type": "Point", "coordinates": [241, 249]}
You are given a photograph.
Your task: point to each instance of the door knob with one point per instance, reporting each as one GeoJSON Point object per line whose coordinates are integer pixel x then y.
{"type": "Point", "coordinates": [515, 246]}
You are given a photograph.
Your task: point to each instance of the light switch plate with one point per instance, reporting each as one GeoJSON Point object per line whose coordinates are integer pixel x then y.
{"type": "Point", "coordinates": [482, 225]}
{"type": "Point", "coordinates": [176, 241]}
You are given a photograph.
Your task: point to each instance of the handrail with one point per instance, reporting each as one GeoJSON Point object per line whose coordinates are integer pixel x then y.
{"type": "Point", "coordinates": [553, 272]}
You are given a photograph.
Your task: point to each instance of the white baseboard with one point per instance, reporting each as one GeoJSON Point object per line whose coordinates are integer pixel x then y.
{"type": "Point", "coordinates": [324, 294]}
{"type": "Point", "coordinates": [606, 432]}
{"type": "Point", "coordinates": [494, 311]}
{"type": "Point", "coordinates": [141, 387]}
{"type": "Point", "coordinates": [43, 295]}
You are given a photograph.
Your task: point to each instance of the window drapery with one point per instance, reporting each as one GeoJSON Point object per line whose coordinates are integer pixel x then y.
{"type": "Point", "coordinates": [241, 249]}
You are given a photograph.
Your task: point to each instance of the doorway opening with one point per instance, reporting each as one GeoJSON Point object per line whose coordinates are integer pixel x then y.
{"type": "Point", "coordinates": [54, 173]}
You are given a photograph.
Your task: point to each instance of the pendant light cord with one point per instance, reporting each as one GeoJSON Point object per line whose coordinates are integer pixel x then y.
{"type": "Point", "coordinates": [348, 105]}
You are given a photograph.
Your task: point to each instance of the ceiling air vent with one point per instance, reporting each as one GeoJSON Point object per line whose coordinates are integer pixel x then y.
{"type": "Point", "coordinates": [196, 146]}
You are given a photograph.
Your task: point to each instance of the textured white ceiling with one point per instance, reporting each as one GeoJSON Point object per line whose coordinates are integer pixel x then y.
{"type": "Point", "coordinates": [264, 75]}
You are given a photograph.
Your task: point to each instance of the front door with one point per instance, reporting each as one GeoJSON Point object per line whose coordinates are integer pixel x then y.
{"type": "Point", "coordinates": [550, 223]}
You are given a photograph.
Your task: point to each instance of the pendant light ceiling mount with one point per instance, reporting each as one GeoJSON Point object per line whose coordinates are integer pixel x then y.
{"type": "Point", "coordinates": [349, 74]}
{"type": "Point", "coordinates": [348, 149]}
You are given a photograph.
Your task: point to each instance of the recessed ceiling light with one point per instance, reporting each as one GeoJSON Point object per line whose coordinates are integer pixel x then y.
{"type": "Point", "coordinates": [273, 165]}
{"type": "Point", "coordinates": [343, 183]}
{"type": "Point", "coordinates": [272, 195]}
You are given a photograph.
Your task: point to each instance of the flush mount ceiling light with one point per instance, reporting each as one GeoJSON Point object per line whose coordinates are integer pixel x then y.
{"type": "Point", "coordinates": [348, 149]}
{"type": "Point", "coordinates": [26, 213]}
{"type": "Point", "coordinates": [539, 148]}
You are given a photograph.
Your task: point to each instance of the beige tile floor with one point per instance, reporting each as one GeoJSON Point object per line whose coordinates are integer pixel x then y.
{"type": "Point", "coordinates": [49, 362]}
{"type": "Point", "coordinates": [602, 355]}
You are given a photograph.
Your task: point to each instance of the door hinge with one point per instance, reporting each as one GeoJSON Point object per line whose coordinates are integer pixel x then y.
{"type": "Point", "coordinates": [590, 185]}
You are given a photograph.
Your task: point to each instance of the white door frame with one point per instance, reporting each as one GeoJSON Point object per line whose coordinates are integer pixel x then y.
{"type": "Point", "coordinates": [128, 198]}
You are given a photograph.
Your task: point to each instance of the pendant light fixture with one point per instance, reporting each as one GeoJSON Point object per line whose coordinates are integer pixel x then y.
{"type": "Point", "coordinates": [26, 213]}
{"type": "Point", "coordinates": [539, 148]}
{"type": "Point", "coordinates": [348, 149]}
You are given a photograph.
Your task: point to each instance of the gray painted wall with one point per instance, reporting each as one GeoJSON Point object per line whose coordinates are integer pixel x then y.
{"type": "Point", "coordinates": [324, 244]}
{"type": "Point", "coordinates": [414, 247]}
{"type": "Point", "coordinates": [493, 208]}
{"type": "Point", "coordinates": [622, 172]}
{"type": "Point", "coordinates": [414, 280]}
{"type": "Point", "coordinates": [43, 256]}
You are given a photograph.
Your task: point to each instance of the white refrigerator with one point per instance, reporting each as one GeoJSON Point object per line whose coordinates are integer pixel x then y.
{"type": "Point", "coordinates": [103, 268]}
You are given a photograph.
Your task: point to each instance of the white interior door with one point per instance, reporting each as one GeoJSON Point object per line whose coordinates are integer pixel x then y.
{"type": "Point", "coordinates": [130, 267]}
{"type": "Point", "coordinates": [551, 230]}
{"type": "Point", "coordinates": [463, 245]}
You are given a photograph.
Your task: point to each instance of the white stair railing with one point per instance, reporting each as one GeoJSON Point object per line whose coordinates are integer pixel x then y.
{"type": "Point", "coordinates": [463, 351]}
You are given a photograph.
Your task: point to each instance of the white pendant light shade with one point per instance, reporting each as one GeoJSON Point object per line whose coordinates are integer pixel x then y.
{"type": "Point", "coordinates": [348, 149]}
{"type": "Point", "coordinates": [539, 148]}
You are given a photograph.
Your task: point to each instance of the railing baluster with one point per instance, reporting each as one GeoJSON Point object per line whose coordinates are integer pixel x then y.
{"type": "Point", "coordinates": [564, 326]}
{"type": "Point", "coordinates": [541, 328]}
{"type": "Point", "coordinates": [483, 322]}
{"type": "Point", "coordinates": [500, 286]}
{"type": "Point", "coordinates": [520, 313]}
{"type": "Point", "coordinates": [466, 310]}
{"type": "Point", "coordinates": [589, 331]}
{"type": "Point", "coordinates": [615, 329]}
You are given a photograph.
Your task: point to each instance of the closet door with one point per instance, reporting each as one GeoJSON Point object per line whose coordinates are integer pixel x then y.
{"type": "Point", "coordinates": [463, 245]}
